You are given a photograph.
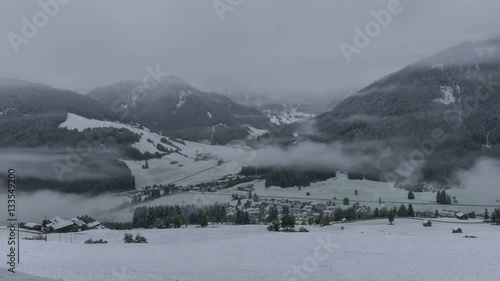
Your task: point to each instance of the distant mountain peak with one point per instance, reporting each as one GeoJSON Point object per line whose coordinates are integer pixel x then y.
{"type": "Point", "coordinates": [468, 53]}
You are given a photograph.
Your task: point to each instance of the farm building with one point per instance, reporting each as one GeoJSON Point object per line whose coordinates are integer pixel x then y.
{"type": "Point", "coordinates": [427, 223]}
{"type": "Point", "coordinates": [61, 226]}
{"type": "Point", "coordinates": [95, 225]}
{"type": "Point", "coordinates": [78, 222]}
{"type": "Point", "coordinates": [33, 226]}
{"type": "Point", "coordinates": [461, 216]}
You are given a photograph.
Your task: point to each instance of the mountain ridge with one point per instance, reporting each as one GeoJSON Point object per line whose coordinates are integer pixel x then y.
{"type": "Point", "coordinates": [460, 98]}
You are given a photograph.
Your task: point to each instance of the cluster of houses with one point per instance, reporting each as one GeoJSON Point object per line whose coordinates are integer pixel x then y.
{"type": "Point", "coordinates": [59, 225]}
{"type": "Point", "coordinates": [457, 214]}
{"type": "Point", "coordinates": [299, 209]}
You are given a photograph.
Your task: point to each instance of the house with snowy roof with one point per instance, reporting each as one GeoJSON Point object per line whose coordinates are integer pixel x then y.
{"type": "Point", "coordinates": [95, 225]}
{"type": "Point", "coordinates": [33, 226]}
{"type": "Point", "coordinates": [78, 222]}
{"type": "Point", "coordinates": [61, 226]}
{"type": "Point", "coordinates": [56, 219]}
{"type": "Point", "coordinates": [461, 216]}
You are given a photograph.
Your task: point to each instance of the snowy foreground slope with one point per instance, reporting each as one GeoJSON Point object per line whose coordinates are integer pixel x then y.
{"type": "Point", "coordinates": [370, 250]}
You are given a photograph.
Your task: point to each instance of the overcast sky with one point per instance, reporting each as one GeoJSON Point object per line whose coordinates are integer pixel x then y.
{"type": "Point", "coordinates": [271, 44]}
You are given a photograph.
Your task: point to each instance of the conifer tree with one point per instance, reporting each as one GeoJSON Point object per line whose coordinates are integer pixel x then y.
{"type": "Point", "coordinates": [204, 220]}
{"type": "Point", "coordinates": [411, 212]}
{"type": "Point", "coordinates": [411, 196]}
{"type": "Point", "coordinates": [390, 216]}
{"type": "Point", "coordinates": [246, 218]}
{"type": "Point", "coordinates": [346, 201]}
{"type": "Point", "coordinates": [402, 211]}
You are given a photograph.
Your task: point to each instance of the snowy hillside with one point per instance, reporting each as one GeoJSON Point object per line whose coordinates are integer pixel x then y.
{"type": "Point", "coordinates": [171, 105]}
{"type": "Point", "coordinates": [403, 251]}
{"type": "Point", "coordinates": [195, 163]}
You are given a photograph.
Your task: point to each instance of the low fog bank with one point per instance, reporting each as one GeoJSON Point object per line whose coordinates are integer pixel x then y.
{"type": "Point", "coordinates": [34, 207]}
{"type": "Point", "coordinates": [483, 177]}
{"type": "Point", "coordinates": [389, 162]}
{"type": "Point", "coordinates": [318, 156]}
{"type": "Point", "coordinates": [57, 164]}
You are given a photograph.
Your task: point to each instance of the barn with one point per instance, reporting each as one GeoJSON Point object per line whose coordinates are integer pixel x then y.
{"type": "Point", "coordinates": [461, 216]}
{"type": "Point", "coordinates": [95, 225]}
{"type": "Point", "coordinates": [33, 226]}
{"type": "Point", "coordinates": [61, 226]}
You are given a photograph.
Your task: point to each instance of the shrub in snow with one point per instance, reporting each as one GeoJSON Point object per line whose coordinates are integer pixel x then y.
{"type": "Point", "coordinates": [303, 229]}
{"type": "Point", "coordinates": [140, 239]}
{"type": "Point", "coordinates": [274, 227]}
{"type": "Point", "coordinates": [128, 238]}
{"type": "Point", "coordinates": [100, 241]}
{"type": "Point", "coordinates": [35, 237]}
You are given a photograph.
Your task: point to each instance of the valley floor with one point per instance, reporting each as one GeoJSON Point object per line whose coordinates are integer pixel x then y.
{"type": "Point", "coordinates": [369, 193]}
{"type": "Point", "coordinates": [370, 250]}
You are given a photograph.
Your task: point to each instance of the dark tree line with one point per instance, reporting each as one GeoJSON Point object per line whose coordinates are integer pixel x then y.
{"type": "Point", "coordinates": [177, 216]}
{"type": "Point", "coordinates": [443, 198]}
{"type": "Point", "coordinates": [287, 177]}
{"type": "Point", "coordinates": [242, 217]}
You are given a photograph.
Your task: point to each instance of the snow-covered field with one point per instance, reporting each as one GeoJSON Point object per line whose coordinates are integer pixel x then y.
{"type": "Point", "coordinates": [370, 250]}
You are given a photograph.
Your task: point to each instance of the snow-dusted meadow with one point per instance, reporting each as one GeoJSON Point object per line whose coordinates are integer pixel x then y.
{"type": "Point", "coordinates": [370, 250]}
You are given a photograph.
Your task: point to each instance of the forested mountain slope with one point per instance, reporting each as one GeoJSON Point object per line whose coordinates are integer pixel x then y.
{"type": "Point", "coordinates": [454, 94]}
{"type": "Point", "coordinates": [175, 108]}
{"type": "Point", "coordinates": [49, 157]}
